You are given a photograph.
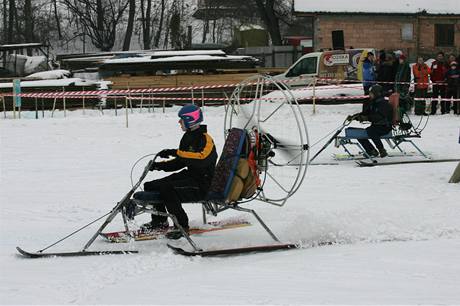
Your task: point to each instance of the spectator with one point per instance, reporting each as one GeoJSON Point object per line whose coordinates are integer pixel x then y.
{"type": "Point", "coordinates": [421, 72]}
{"type": "Point", "coordinates": [386, 74]}
{"type": "Point", "coordinates": [402, 78]}
{"type": "Point", "coordinates": [438, 77]}
{"type": "Point", "coordinates": [451, 59]}
{"type": "Point", "coordinates": [368, 72]}
{"type": "Point", "coordinates": [453, 87]}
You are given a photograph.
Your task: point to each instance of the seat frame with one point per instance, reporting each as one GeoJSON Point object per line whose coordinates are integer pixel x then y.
{"type": "Point", "coordinates": [394, 141]}
{"type": "Point", "coordinates": [208, 208]}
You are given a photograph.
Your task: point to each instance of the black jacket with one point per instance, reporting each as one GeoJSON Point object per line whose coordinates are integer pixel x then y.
{"type": "Point", "coordinates": [198, 153]}
{"type": "Point", "coordinates": [378, 112]}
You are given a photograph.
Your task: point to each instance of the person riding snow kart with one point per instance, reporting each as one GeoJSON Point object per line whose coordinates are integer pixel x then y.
{"type": "Point", "coordinates": [196, 153]}
{"type": "Point", "coordinates": [380, 113]}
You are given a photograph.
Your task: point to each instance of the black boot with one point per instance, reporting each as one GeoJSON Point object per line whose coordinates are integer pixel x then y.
{"type": "Point", "coordinates": [176, 233]}
{"type": "Point", "coordinates": [155, 225]}
{"type": "Point", "coordinates": [372, 153]}
{"type": "Point", "coordinates": [383, 152]}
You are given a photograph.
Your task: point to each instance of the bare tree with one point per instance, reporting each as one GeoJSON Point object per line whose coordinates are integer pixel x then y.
{"type": "Point", "coordinates": [129, 28]}
{"type": "Point", "coordinates": [100, 19]}
{"type": "Point", "coordinates": [28, 22]}
{"type": "Point", "coordinates": [146, 12]}
{"type": "Point", "coordinates": [156, 41]}
{"type": "Point", "coordinates": [5, 21]}
{"type": "Point", "coordinates": [11, 19]}
{"type": "Point", "coordinates": [267, 12]}
{"type": "Point", "coordinates": [56, 17]}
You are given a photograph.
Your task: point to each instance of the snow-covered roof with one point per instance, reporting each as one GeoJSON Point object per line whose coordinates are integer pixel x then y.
{"type": "Point", "coordinates": [374, 7]}
{"type": "Point", "coordinates": [49, 75]}
{"type": "Point", "coordinates": [187, 52]}
{"type": "Point", "coordinates": [19, 46]}
{"type": "Point", "coordinates": [51, 83]}
{"type": "Point", "coordinates": [148, 59]}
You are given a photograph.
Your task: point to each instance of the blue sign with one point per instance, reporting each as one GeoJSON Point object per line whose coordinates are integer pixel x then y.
{"type": "Point", "coordinates": [17, 91]}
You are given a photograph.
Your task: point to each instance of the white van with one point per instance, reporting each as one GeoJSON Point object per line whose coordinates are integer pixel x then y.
{"type": "Point", "coordinates": [336, 64]}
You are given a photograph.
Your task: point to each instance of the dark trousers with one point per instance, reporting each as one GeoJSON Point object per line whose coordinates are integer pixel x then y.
{"type": "Point", "coordinates": [366, 88]}
{"type": "Point", "coordinates": [374, 132]}
{"type": "Point", "coordinates": [452, 92]}
{"type": "Point", "coordinates": [420, 104]}
{"type": "Point", "coordinates": [174, 190]}
{"type": "Point", "coordinates": [438, 91]}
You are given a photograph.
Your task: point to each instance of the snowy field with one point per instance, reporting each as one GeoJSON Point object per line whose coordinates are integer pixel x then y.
{"type": "Point", "coordinates": [397, 228]}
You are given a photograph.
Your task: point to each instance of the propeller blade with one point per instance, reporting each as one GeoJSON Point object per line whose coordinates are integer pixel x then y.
{"type": "Point", "coordinates": [285, 147]}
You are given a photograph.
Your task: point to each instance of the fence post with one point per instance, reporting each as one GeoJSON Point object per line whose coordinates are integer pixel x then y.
{"type": "Point", "coordinates": [164, 102]}
{"type": "Point", "coordinates": [4, 107]}
{"type": "Point", "coordinates": [36, 108]}
{"type": "Point", "coordinates": [142, 103]}
{"type": "Point", "coordinates": [83, 100]}
{"type": "Point", "coordinates": [14, 104]}
{"type": "Point", "coordinates": [202, 99]}
{"type": "Point", "coordinates": [63, 103]}
{"type": "Point", "coordinates": [43, 108]}
{"type": "Point", "coordinates": [83, 105]}
{"type": "Point", "coordinates": [314, 95]}
{"type": "Point", "coordinates": [130, 101]}
{"type": "Point", "coordinates": [126, 107]}
{"type": "Point", "coordinates": [193, 99]}
{"type": "Point", "coordinates": [54, 107]}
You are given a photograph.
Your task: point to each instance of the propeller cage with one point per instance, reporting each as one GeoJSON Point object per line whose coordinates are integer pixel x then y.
{"type": "Point", "coordinates": [276, 128]}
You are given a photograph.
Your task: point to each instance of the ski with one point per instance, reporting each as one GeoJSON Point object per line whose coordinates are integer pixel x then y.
{"type": "Point", "coordinates": [70, 254]}
{"type": "Point", "coordinates": [123, 236]}
{"type": "Point", "coordinates": [360, 156]}
{"type": "Point", "coordinates": [234, 251]}
{"type": "Point", "coordinates": [377, 163]}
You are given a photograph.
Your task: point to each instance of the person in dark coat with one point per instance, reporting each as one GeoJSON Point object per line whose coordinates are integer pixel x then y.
{"type": "Point", "coordinates": [196, 153]}
{"type": "Point", "coordinates": [386, 74]}
{"type": "Point", "coordinates": [402, 78]}
{"type": "Point", "coordinates": [438, 77]}
{"type": "Point", "coordinates": [453, 87]}
{"type": "Point", "coordinates": [380, 113]}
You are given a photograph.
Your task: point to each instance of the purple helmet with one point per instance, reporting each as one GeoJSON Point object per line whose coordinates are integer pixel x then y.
{"type": "Point", "coordinates": [191, 115]}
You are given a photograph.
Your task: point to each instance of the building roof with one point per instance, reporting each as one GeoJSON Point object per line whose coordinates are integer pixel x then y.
{"type": "Point", "coordinates": [20, 46]}
{"type": "Point", "coordinates": [432, 7]}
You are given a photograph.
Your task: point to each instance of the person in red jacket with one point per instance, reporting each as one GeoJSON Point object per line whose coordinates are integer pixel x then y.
{"type": "Point", "coordinates": [421, 72]}
{"type": "Point", "coordinates": [438, 77]}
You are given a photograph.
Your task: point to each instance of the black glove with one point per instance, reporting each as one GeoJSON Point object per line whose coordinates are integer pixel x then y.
{"type": "Point", "coordinates": [155, 166]}
{"type": "Point", "coordinates": [361, 118]}
{"type": "Point", "coordinates": [167, 153]}
{"type": "Point", "coordinates": [352, 117]}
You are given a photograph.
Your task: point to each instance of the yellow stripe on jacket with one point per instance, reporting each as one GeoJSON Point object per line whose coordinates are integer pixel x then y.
{"type": "Point", "coordinates": [199, 155]}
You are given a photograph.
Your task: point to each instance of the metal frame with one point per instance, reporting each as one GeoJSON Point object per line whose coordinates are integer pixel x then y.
{"type": "Point", "coordinates": [215, 207]}
{"type": "Point", "coordinates": [235, 108]}
{"type": "Point", "coordinates": [209, 207]}
{"type": "Point", "coordinates": [393, 142]}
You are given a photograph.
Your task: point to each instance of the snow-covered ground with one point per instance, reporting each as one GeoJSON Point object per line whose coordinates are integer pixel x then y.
{"type": "Point", "coordinates": [397, 226]}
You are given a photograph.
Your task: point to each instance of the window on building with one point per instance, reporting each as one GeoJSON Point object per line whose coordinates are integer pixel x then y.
{"type": "Point", "coordinates": [407, 31]}
{"type": "Point", "coordinates": [305, 66]}
{"type": "Point", "coordinates": [444, 35]}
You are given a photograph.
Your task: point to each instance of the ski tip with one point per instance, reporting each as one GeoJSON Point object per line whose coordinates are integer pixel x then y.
{"type": "Point", "coordinates": [24, 253]}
